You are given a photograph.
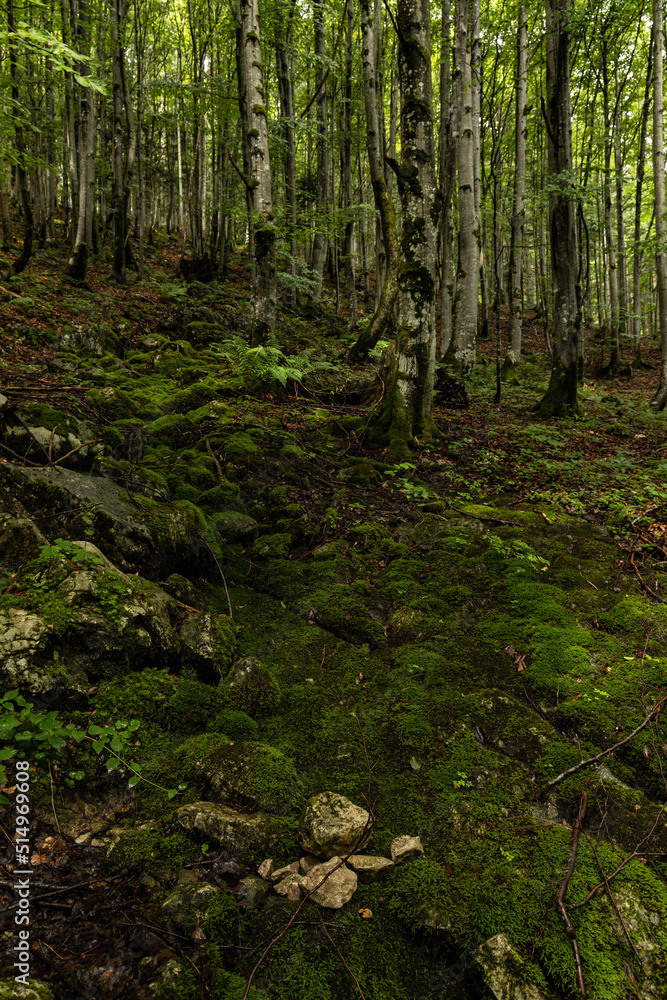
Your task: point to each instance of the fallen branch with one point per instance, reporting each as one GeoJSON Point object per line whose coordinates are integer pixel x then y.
{"type": "Point", "coordinates": [560, 898]}
{"type": "Point", "coordinates": [605, 753]}
{"type": "Point", "coordinates": [635, 854]}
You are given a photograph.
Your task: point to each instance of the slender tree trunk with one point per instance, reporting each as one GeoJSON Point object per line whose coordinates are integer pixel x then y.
{"type": "Point", "coordinates": [5, 214]}
{"type": "Point", "coordinates": [21, 179]}
{"type": "Point", "coordinates": [561, 396]}
{"type": "Point", "coordinates": [612, 270]}
{"type": "Point", "coordinates": [462, 349]}
{"type": "Point", "coordinates": [660, 398]}
{"type": "Point", "coordinates": [518, 216]}
{"type": "Point", "coordinates": [620, 227]}
{"type": "Point", "coordinates": [286, 91]}
{"type": "Point", "coordinates": [78, 263]}
{"type": "Point", "coordinates": [264, 289]}
{"type": "Point", "coordinates": [406, 414]}
{"type": "Point", "coordinates": [118, 273]}
{"type": "Point", "coordinates": [638, 252]}
{"type": "Point", "coordinates": [383, 203]}
{"type": "Point", "coordinates": [320, 236]}
{"type": "Point", "coordinates": [447, 151]}
{"type": "Point", "coordinates": [348, 258]}
{"type": "Point", "coordinates": [476, 95]}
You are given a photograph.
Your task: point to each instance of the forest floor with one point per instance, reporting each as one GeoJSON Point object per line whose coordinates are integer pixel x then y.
{"type": "Point", "coordinates": [439, 639]}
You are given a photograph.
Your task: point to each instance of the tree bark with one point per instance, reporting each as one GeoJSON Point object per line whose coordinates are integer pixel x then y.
{"type": "Point", "coordinates": [660, 398]}
{"type": "Point", "coordinates": [348, 258]}
{"type": "Point", "coordinates": [286, 92]}
{"type": "Point", "coordinates": [638, 252]}
{"type": "Point", "coordinates": [264, 288]}
{"type": "Point", "coordinates": [383, 203]}
{"type": "Point", "coordinates": [22, 181]}
{"type": "Point", "coordinates": [518, 216]}
{"type": "Point", "coordinates": [612, 267]}
{"type": "Point", "coordinates": [462, 349]}
{"type": "Point", "coordinates": [447, 151]}
{"type": "Point", "coordinates": [320, 238]}
{"type": "Point", "coordinates": [78, 263]}
{"type": "Point", "coordinates": [406, 414]}
{"type": "Point", "coordinates": [560, 399]}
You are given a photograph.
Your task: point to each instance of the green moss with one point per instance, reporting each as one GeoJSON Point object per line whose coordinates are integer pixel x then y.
{"type": "Point", "coordinates": [189, 708]}
{"type": "Point", "coordinates": [143, 695]}
{"type": "Point", "coordinates": [150, 849]}
{"type": "Point", "coordinates": [221, 495]}
{"type": "Point", "coordinates": [235, 724]}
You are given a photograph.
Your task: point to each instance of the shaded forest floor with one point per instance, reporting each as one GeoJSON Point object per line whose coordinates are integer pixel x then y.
{"type": "Point", "coordinates": [442, 637]}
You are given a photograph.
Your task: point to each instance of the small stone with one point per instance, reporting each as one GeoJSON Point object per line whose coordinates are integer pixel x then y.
{"type": "Point", "coordinates": [403, 848]}
{"type": "Point", "coordinates": [290, 886]}
{"type": "Point", "coordinates": [307, 862]}
{"type": "Point", "coordinates": [83, 838]}
{"type": "Point", "coordinates": [367, 864]}
{"type": "Point", "coordinates": [281, 873]}
{"type": "Point", "coordinates": [338, 888]}
{"type": "Point", "coordinates": [253, 889]}
{"type": "Point", "coordinates": [96, 843]}
{"type": "Point", "coordinates": [266, 868]}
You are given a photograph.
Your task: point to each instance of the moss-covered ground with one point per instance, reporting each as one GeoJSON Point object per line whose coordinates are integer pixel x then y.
{"type": "Point", "coordinates": [448, 635]}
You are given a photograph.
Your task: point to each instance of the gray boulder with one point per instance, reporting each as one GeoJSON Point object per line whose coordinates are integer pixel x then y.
{"type": "Point", "coordinates": [403, 848]}
{"type": "Point", "coordinates": [504, 970]}
{"type": "Point", "coordinates": [332, 825]}
{"type": "Point", "coordinates": [223, 825]}
{"type": "Point", "coordinates": [251, 687]}
{"type": "Point", "coordinates": [154, 540]}
{"type": "Point", "coordinates": [188, 903]}
{"type": "Point", "coordinates": [369, 866]}
{"type": "Point", "coordinates": [20, 541]}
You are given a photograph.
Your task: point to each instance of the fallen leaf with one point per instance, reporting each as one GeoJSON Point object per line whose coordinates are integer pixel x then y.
{"type": "Point", "coordinates": [365, 913]}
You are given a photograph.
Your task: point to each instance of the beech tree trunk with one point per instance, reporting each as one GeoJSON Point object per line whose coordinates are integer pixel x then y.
{"type": "Point", "coordinates": [264, 287]}
{"type": "Point", "coordinates": [286, 91]}
{"type": "Point", "coordinates": [320, 237]}
{"type": "Point", "coordinates": [447, 152]}
{"type": "Point", "coordinates": [560, 399]}
{"type": "Point", "coordinates": [660, 398]}
{"type": "Point", "coordinates": [383, 203]}
{"type": "Point", "coordinates": [22, 181]}
{"type": "Point", "coordinates": [463, 348]}
{"type": "Point", "coordinates": [518, 216]}
{"type": "Point", "coordinates": [406, 415]}
{"type": "Point", "coordinates": [612, 267]}
{"type": "Point", "coordinates": [348, 259]}
{"type": "Point", "coordinates": [78, 263]}
{"type": "Point", "coordinates": [638, 253]}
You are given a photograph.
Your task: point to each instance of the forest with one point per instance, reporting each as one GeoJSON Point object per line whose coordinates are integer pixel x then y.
{"type": "Point", "coordinates": [333, 516]}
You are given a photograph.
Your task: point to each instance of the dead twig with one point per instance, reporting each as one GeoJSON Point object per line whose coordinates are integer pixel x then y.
{"type": "Point", "coordinates": [605, 753]}
{"type": "Point", "coordinates": [635, 854]}
{"type": "Point", "coordinates": [560, 898]}
{"type": "Point", "coordinates": [342, 958]}
{"type": "Point", "coordinates": [215, 460]}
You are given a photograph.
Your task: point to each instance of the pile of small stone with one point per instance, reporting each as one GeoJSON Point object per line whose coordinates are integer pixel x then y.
{"type": "Point", "coordinates": [331, 828]}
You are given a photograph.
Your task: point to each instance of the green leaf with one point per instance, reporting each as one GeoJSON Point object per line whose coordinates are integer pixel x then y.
{"type": "Point", "coordinates": [134, 780]}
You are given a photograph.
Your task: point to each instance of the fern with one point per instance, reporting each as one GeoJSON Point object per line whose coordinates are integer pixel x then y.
{"type": "Point", "coordinates": [261, 367]}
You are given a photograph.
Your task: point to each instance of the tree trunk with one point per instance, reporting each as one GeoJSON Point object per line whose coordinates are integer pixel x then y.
{"type": "Point", "coordinates": [518, 216]}
{"type": "Point", "coordinates": [560, 398]}
{"type": "Point", "coordinates": [78, 263]}
{"type": "Point", "coordinates": [612, 270]}
{"type": "Point", "coordinates": [22, 181]}
{"type": "Point", "coordinates": [118, 273]}
{"type": "Point", "coordinates": [264, 288]}
{"type": "Point", "coordinates": [383, 313]}
{"type": "Point", "coordinates": [447, 151]}
{"type": "Point", "coordinates": [348, 259]}
{"type": "Point", "coordinates": [476, 96]}
{"type": "Point", "coordinates": [406, 415]}
{"type": "Point", "coordinates": [286, 91]}
{"type": "Point", "coordinates": [320, 237]}
{"type": "Point", "coordinates": [638, 252]}
{"type": "Point", "coordinates": [660, 398]}
{"type": "Point", "coordinates": [462, 349]}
